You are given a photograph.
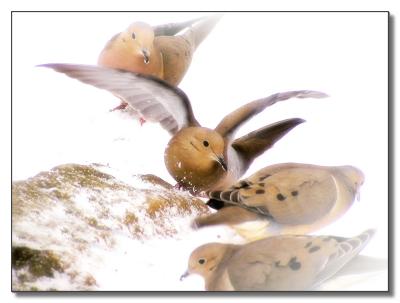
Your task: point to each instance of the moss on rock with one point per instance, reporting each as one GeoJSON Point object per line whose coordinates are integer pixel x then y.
{"type": "Point", "coordinates": [39, 263]}
{"type": "Point", "coordinates": [73, 208]}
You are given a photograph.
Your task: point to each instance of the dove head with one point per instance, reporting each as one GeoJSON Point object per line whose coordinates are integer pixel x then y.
{"type": "Point", "coordinates": [140, 38]}
{"type": "Point", "coordinates": [205, 259]}
{"type": "Point", "coordinates": [133, 50]}
{"type": "Point", "coordinates": [355, 175]}
{"type": "Point", "coordinates": [195, 157]}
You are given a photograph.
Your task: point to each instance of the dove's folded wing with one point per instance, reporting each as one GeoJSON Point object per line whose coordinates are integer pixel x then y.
{"type": "Point", "coordinates": [291, 195]}
{"type": "Point", "coordinates": [154, 99]}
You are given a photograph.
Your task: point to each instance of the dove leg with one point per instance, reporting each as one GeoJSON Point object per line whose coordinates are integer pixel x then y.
{"type": "Point", "coordinates": [142, 121]}
{"type": "Point", "coordinates": [123, 106]}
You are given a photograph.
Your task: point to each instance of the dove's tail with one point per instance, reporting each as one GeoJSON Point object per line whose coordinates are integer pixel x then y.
{"type": "Point", "coordinates": [347, 249]}
{"type": "Point", "coordinates": [227, 215]}
{"type": "Point", "coordinates": [200, 30]}
{"type": "Point", "coordinates": [171, 29]}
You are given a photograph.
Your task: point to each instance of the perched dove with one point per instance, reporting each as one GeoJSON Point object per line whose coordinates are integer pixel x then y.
{"type": "Point", "coordinates": [158, 51]}
{"type": "Point", "coordinates": [290, 262]}
{"type": "Point", "coordinates": [198, 158]}
{"type": "Point", "coordinates": [292, 198]}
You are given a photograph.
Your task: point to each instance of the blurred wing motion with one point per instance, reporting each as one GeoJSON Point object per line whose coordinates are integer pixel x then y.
{"type": "Point", "coordinates": [154, 99]}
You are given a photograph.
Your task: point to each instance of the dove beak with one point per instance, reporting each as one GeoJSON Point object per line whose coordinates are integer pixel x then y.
{"type": "Point", "coordinates": [358, 193]}
{"type": "Point", "coordinates": [221, 160]}
{"type": "Point", "coordinates": [185, 274]}
{"type": "Point", "coordinates": [146, 55]}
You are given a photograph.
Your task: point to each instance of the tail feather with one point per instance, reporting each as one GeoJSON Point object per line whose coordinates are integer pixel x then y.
{"type": "Point", "coordinates": [227, 215]}
{"type": "Point", "coordinates": [170, 29]}
{"type": "Point", "coordinates": [200, 30]}
{"type": "Point", "coordinates": [347, 250]}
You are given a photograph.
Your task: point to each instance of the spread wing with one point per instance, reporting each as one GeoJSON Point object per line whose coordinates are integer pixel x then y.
{"type": "Point", "coordinates": [231, 123]}
{"type": "Point", "coordinates": [154, 99]}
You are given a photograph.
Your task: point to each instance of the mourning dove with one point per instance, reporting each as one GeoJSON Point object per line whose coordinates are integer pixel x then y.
{"type": "Point", "coordinates": [198, 158]}
{"type": "Point", "coordinates": [292, 198]}
{"type": "Point", "coordinates": [157, 51]}
{"type": "Point", "coordinates": [291, 262]}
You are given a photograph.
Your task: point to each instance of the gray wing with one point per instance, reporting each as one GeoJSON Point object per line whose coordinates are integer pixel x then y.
{"type": "Point", "coordinates": [154, 99]}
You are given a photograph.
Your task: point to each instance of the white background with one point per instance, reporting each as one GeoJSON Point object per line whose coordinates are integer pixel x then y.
{"type": "Point", "coordinates": [58, 120]}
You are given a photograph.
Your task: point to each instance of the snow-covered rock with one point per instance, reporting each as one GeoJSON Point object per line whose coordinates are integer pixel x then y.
{"type": "Point", "coordinates": [66, 219]}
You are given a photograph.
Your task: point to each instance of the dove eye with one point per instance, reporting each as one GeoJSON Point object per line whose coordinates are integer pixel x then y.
{"type": "Point", "coordinates": [202, 261]}
{"type": "Point", "coordinates": [133, 35]}
{"type": "Point", "coordinates": [205, 143]}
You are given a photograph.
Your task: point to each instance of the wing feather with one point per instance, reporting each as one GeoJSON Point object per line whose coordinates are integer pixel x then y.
{"type": "Point", "coordinates": [154, 99]}
{"type": "Point", "coordinates": [231, 122]}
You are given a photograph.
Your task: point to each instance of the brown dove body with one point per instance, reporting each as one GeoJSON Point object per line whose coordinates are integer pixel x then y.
{"type": "Point", "coordinates": [275, 263]}
{"type": "Point", "coordinates": [157, 51]}
{"type": "Point", "coordinates": [287, 198]}
{"type": "Point", "coordinates": [198, 158]}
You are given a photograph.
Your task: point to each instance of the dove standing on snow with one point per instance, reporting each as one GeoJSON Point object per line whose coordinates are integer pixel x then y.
{"type": "Point", "coordinates": [275, 263]}
{"type": "Point", "coordinates": [158, 51]}
{"type": "Point", "coordinates": [291, 198]}
{"type": "Point", "coordinates": [198, 158]}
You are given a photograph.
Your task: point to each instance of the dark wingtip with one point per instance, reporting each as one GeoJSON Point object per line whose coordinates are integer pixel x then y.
{"type": "Point", "coordinates": [297, 121]}
{"type": "Point", "coordinates": [285, 126]}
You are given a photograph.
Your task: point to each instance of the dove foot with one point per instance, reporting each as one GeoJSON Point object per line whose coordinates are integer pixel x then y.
{"type": "Point", "coordinates": [179, 186]}
{"type": "Point", "coordinates": [142, 121]}
{"type": "Point", "coordinates": [122, 106]}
